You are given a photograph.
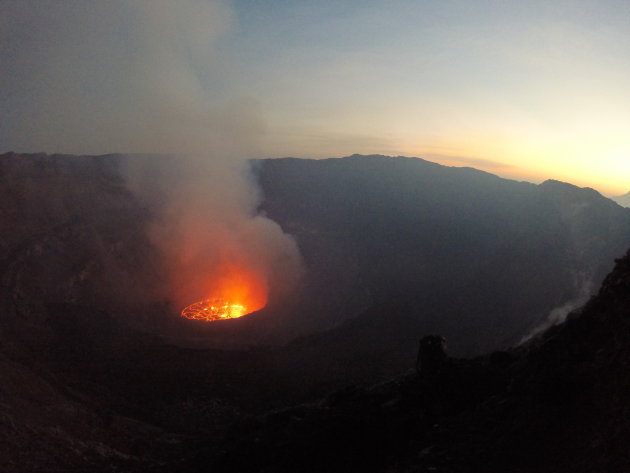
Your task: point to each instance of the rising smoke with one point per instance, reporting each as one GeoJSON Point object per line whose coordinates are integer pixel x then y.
{"type": "Point", "coordinates": [558, 315]}
{"type": "Point", "coordinates": [142, 76]}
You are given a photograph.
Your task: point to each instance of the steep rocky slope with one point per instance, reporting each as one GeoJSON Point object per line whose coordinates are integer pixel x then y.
{"type": "Point", "coordinates": [558, 404]}
{"type": "Point", "coordinates": [48, 427]}
{"type": "Point", "coordinates": [71, 232]}
{"type": "Point", "coordinates": [86, 385]}
{"type": "Point", "coordinates": [461, 250]}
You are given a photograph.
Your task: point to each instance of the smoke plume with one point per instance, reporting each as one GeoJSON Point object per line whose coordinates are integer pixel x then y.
{"type": "Point", "coordinates": [559, 314]}
{"type": "Point", "coordinates": [142, 76]}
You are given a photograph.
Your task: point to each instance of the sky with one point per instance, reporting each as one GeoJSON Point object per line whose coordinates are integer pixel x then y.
{"type": "Point", "coordinates": [528, 90]}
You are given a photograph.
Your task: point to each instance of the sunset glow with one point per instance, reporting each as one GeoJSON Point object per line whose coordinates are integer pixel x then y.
{"type": "Point", "coordinates": [530, 90]}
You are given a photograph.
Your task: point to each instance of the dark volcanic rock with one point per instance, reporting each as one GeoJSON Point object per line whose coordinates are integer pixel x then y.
{"type": "Point", "coordinates": [71, 232]}
{"type": "Point", "coordinates": [47, 427]}
{"type": "Point", "coordinates": [443, 250]}
{"type": "Point", "coordinates": [556, 405]}
{"type": "Point", "coordinates": [412, 247]}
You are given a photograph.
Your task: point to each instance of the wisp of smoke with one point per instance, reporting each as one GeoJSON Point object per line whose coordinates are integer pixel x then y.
{"type": "Point", "coordinates": [559, 314]}
{"type": "Point", "coordinates": [139, 76]}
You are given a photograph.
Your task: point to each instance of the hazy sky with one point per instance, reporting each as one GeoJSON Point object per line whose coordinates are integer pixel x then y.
{"type": "Point", "coordinates": [525, 89]}
{"type": "Point", "coordinates": [535, 89]}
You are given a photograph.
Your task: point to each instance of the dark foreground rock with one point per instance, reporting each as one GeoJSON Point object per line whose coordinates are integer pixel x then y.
{"type": "Point", "coordinates": [558, 404]}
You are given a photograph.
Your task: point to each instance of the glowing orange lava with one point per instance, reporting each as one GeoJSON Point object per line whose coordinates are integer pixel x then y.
{"type": "Point", "coordinates": [210, 310]}
{"type": "Point", "coordinates": [236, 293]}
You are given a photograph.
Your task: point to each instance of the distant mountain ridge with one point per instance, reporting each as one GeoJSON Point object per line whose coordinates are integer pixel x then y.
{"type": "Point", "coordinates": [463, 250]}
{"type": "Point", "coordinates": [482, 259]}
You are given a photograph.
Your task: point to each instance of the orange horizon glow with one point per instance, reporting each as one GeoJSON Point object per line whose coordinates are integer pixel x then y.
{"type": "Point", "coordinates": [603, 168]}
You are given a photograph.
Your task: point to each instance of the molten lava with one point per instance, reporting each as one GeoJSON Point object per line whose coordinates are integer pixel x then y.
{"type": "Point", "coordinates": [210, 310]}
{"type": "Point", "coordinates": [236, 293]}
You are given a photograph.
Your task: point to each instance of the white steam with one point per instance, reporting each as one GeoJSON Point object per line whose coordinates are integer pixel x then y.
{"type": "Point", "coordinates": [141, 76]}
{"type": "Point", "coordinates": [559, 314]}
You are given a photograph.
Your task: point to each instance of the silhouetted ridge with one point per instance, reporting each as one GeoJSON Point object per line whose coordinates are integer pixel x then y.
{"type": "Point", "coordinates": [567, 190]}
{"type": "Point", "coordinates": [439, 249]}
